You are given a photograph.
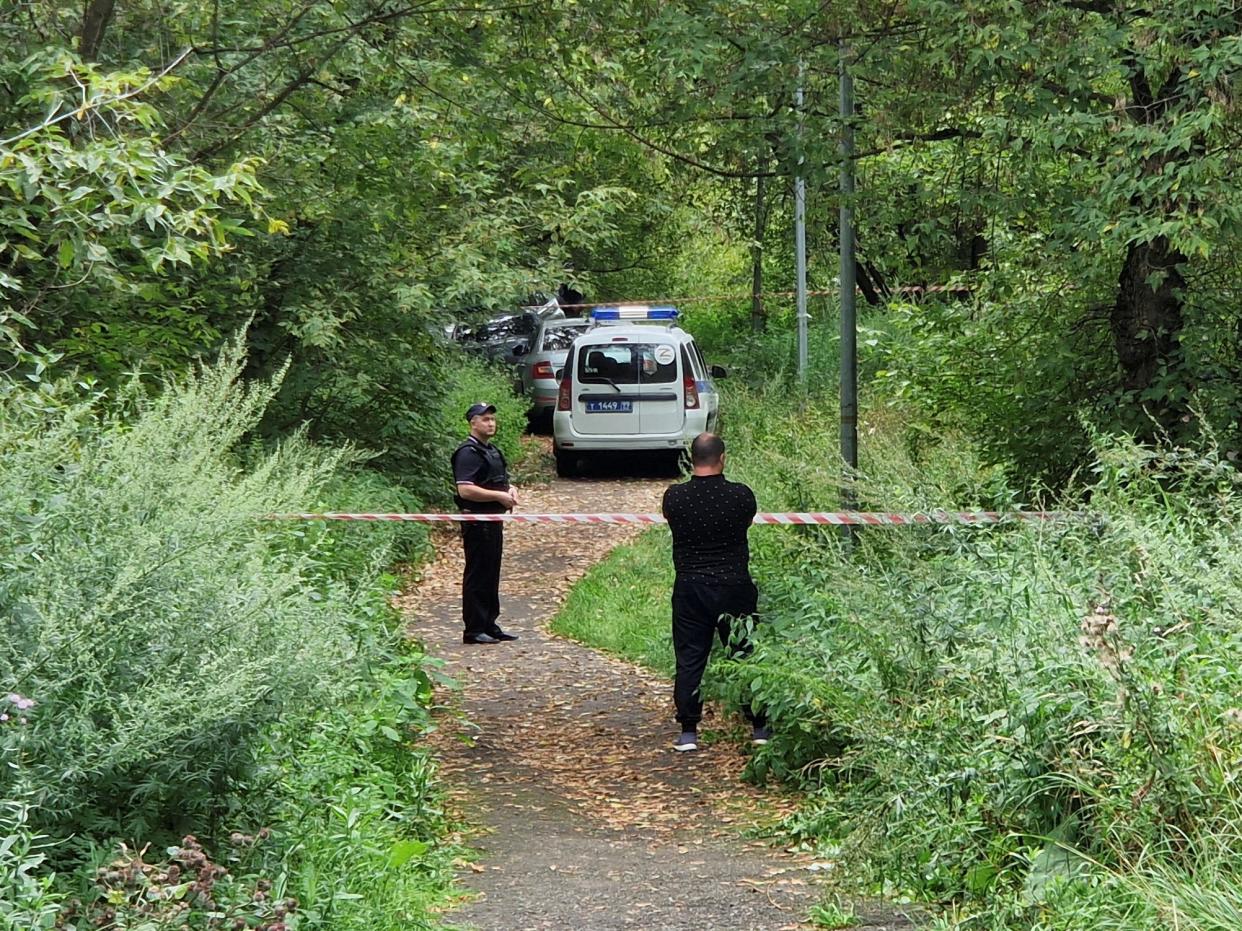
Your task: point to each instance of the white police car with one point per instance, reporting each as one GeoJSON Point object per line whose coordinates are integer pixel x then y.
{"type": "Point", "coordinates": [633, 381]}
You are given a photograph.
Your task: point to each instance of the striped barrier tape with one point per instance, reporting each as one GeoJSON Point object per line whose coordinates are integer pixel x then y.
{"type": "Point", "coordinates": [739, 296]}
{"type": "Point", "coordinates": [865, 518]}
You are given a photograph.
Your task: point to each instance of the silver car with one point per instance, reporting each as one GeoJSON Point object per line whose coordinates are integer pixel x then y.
{"type": "Point", "coordinates": [540, 366]}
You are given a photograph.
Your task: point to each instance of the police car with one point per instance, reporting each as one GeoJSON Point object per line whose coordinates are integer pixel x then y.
{"type": "Point", "coordinates": [633, 381]}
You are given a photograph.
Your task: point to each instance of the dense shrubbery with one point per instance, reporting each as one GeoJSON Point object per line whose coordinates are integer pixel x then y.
{"type": "Point", "coordinates": [989, 714]}
{"type": "Point", "coordinates": [148, 614]}
{"type": "Point", "coordinates": [174, 664]}
{"type": "Point", "coordinates": [1036, 725]}
{"type": "Point", "coordinates": [473, 381]}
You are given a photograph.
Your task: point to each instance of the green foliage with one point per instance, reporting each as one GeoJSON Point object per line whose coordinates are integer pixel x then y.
{"type": "Point", "coordinates": [157, 622]}
{"type": "Point", "coordinates": [343, 549]}
{"type": "Point", "coordinates": [192, 667]}
{"type": "Point", "coordinates": [979, 706]}
{"type": "Point", "coordinates": [362, 820]}
{"type": "Point", "coordinates": [1021, 400]}
{"type": "Point", "coordinates": [1059, 168]}
{"type": "Point", "coordinates": [1033, 722]}
{"type": "Point", "coordinates": [473, 381]}
{"type": "Point", "coordinates": [96, 214]}
{"type": "Point", "coordinates": [354, 835]}
{"type": "Point", "coordinates": [396, 194]}
{"type": "Point", "coordinates": [833, 916]}
{"type": "Point", "coordinates": [27, 900]}
{"type": "Point", "coordinates": [188, 890]}
{"type": "Point", "coordinates": [1067, 167]}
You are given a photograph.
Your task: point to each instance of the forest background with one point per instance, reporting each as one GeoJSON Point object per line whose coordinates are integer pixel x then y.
{"type": "Point", "coordinates": [1048, 232]}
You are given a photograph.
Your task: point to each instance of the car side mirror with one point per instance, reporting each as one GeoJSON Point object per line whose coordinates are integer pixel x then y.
{"type": "Point", "coordinates": [560, 373]}
{"type": "Point", "coordinates": [718, 371]}
{"type": "Point", "coordinates": [521, 349]}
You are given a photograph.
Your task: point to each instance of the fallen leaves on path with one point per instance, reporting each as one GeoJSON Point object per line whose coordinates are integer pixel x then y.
{"type": "Point", "coordinates": [592, 731]}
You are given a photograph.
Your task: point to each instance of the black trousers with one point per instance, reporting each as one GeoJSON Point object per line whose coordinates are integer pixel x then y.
{"type": "Point", "coordinates": [701, 613]}
{"type": "Point", "coordinates": [480, 582]}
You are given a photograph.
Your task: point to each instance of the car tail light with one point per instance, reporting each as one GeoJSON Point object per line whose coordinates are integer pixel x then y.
{"type": "Point", "coordinates": [692, 393]}
{"type": "Point", "coordinates": [543, 370]}
{"type": "Point", "coordinates": [563, 394]}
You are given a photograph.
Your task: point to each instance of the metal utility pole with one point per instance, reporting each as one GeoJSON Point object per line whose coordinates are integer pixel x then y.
{"type": "Point", "coordinates": [800, 239]}
{"type": "Point", "coordinates": [849, 335]}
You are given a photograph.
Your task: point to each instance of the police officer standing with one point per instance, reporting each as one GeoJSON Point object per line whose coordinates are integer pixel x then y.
{"type": "Point", "coordinates": [483, 487]}
{"type": "Point", "coordinates": [709, 518]}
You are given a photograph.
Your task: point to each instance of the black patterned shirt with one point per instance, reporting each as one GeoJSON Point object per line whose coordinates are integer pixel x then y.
{"type": "Point", "coordinates": [709, 518]}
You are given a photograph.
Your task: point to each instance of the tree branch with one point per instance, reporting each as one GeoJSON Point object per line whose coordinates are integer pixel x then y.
{"type": "Point", "coordinates": [302, 78]}
{"type": "Point", "coordinates": [97, 102]}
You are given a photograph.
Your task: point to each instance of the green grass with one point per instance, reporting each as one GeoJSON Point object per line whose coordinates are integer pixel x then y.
{"type": "Point", "coordinates": [833, 916]}
{"type": "Point", "coordinates": [621, 606]}
{"type": "Point", "coordinates": [362, 818]}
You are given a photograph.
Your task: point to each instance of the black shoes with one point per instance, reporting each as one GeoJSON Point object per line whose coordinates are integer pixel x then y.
{"type": "Point", "coordinates": [498, 637]}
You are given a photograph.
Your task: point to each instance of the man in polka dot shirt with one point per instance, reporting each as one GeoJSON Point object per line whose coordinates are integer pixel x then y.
{"type": "Point", "coordinates": [709, 518]}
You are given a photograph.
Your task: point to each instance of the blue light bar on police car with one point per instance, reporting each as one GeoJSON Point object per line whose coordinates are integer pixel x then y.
{"type": "Point", "coordinates": [634, 312]}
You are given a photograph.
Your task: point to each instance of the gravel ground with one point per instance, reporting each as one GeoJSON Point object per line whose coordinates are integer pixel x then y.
{"type": "Point", "coordinates": [561, 761]}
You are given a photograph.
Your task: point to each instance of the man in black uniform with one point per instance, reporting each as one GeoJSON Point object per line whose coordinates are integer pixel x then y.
{"type": "Point", "coordinates": [709, 518]}
{"type": "Point", "coordinates": [483, 487]}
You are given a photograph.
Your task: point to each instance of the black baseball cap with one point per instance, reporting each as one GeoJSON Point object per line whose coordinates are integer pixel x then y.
{"type": "Point", "coordinates": [477, 408]}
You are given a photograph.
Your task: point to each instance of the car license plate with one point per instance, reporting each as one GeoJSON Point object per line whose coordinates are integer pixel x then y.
{"type": "Point", "coordinates": [610, 407]}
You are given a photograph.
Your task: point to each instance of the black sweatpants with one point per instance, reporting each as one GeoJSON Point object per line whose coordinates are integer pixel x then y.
{"type": "Point", "coordinates": [480, 582]}
{"type": "Point", "coordinates": [700, 614]}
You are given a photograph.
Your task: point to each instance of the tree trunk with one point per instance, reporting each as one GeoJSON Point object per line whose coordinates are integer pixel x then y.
{"type": "Point", "coordinates": [1146, 321]}
{"type": "Point", "coordinates": [95, 20]}
{"type": "Point", "coordinates": [870, 283]}
{"type": "Point", "coordinates": [758, 313]}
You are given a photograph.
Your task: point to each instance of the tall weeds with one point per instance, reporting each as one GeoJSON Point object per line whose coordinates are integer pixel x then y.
{"type": "Point", "coordinates": [155, 621]}
{"type": "Point", "coordinates": [1008, 717]}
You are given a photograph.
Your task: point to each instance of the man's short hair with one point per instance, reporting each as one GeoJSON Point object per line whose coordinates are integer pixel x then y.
{"type": "Point", "coordinates": [706, 449]}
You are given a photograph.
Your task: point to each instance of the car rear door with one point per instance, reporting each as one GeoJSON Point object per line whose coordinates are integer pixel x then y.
{"type": "Point", "coordinates": [628, 385]}
{"type": "Point", "coordinates": [662, 410]}
{"type": "Point", "coordinates": [606, 401]}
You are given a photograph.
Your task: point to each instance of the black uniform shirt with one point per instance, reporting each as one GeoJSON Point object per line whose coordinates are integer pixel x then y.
{"type": "Point", "coordinates": [709, 518]}
{"type": "Point", "coordinates": [481, 464]}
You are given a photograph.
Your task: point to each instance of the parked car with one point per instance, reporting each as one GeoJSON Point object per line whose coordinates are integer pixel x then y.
{"type": "Point", "coordinates": [539, 369]}
{"type": "Point", "coordinates": [632, 381]}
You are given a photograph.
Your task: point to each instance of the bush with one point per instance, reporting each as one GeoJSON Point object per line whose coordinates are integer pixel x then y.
{"type": "Point", "coordinates": [351, 838]}
{"type": "Point", "coordinates": [28, 901]}
{"type": "Point", "coordinates": [347, 549]}
{"type": "Point", "coordinates": [358, 811]}
{"type": "Point", "coordinates": [157, 621]}
{"type": "Point", "coordinates": [1037, 724]}
{"type": "Point", "coordinates": [476, 380]}
{"type": "Point", "coordinates": [996, 714]}
{"type": "Point", "coordinates": [188, 890]}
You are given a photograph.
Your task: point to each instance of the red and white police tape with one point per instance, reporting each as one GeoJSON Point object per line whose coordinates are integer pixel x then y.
{"type": "Point", "coordinates": [866, 518]}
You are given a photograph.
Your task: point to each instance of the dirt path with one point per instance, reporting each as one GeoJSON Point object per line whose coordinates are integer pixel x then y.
{"type": "Point", "coordinates": [589, 819]}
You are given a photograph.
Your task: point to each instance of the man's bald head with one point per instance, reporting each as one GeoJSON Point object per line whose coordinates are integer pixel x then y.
{"type": "Point", "coordinates": [707, 452]}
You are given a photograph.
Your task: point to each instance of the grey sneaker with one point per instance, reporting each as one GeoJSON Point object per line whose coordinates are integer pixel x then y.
{"type": "Point", "coordinates": [760, 735]}
{"type": "Point", "coordinates": [688, 740]}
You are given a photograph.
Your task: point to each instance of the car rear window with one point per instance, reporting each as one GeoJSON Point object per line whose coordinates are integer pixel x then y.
{"type": "Point", "coordinates": [560, 337]}
{"type": "Point", "coordinates": [627, 364]}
